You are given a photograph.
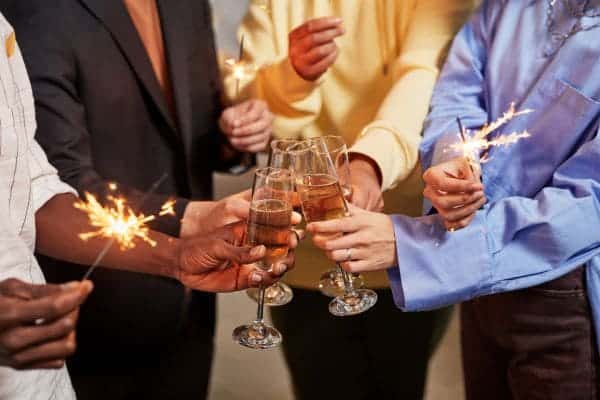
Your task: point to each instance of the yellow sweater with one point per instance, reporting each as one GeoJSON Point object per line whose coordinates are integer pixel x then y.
{"type": "Point", "coordinates": [376, 95]}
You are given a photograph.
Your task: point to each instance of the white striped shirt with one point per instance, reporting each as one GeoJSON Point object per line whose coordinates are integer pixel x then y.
{"type": "Point", "coordinates": [27, 182]}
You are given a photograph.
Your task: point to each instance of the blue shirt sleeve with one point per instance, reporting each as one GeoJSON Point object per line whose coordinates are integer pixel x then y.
{"type": "Point", "coordinates": [460, 90]}
{"type": "Point", "coordinates": [513, 243]}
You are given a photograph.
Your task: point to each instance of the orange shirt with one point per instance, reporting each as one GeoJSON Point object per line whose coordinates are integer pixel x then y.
{"type": "Point", "coordinates": [146, 19]}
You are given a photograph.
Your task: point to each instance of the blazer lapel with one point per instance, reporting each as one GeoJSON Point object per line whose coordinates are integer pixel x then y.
{"type": "Point", "coordinates": [179, 36]}
{"type": "Point", "coordinates": [114, 16]}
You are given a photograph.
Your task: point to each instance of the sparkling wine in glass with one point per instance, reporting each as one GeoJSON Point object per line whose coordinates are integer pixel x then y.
{"type": "Point", "coordinates": [269, 224]}
{"type": "Point", "coordinates": [322, 199]}
{"type": "Point", "coordinates": [278, 294]}
{"type": "Point", "coordinates": [331, 282]}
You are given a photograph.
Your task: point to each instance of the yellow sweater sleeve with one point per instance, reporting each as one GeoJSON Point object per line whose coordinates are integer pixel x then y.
{"type": "Point", "coordinates": [295, 101]}
{"type": "Point", "coordinates": [393, 139]}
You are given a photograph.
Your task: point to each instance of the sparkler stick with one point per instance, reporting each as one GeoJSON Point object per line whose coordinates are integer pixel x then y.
{"type": "Point", "coordinates": [166, 208]}
{"type": "Point", "coordinates": [461, 129]}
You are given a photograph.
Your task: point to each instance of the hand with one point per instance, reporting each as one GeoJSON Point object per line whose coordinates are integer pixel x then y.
{"type": "Point", "coordinates": [363, 242]}
{"type": "Point", "coordinates": [248, 125]}
{"type": "Point", "coordinates": [366, 187]}
{"type": "Point", "coordinates": [37, 323]}
{"type": "Point", "coordinates": [202, 217]}
{"type": "Point", "coordinates": [217, 262]}
{"type": "Point", "coordinates": [312, 49]}
{"type": "Point", "coordinates": [455, 192]}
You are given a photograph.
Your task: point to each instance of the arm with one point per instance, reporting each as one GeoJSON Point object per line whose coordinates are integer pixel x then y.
{"type": "Point", "coordinates": [391, 142]}
{"type": "Point", "coordinates": [295, 101]}
{"type": "Point", "coordinates": [513, 243]}
{"type": "Point", "coordinates": [61, 117]}
{"type": "Point", "coordinates": [200, 263]}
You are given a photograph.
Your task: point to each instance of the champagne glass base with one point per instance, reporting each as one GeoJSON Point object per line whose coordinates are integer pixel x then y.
{"type": "Point", "coordinates": [331, 283]}
{"type": "Point", "coordinates": [257, 336]}
{"type": "Point", "coordinates": [278, 294]}
{"type": "Point", "coordinates": [358, 302]}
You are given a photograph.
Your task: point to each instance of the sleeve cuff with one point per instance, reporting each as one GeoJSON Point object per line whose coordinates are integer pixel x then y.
{"type": "Point", "coordinates": [396, 157]}
{"type": "Point", "coordinates": [436, 267]}
{"type": "Point", "coordinates": [45, 188]}
{"type": "Point", "coordinates": [169, 224]}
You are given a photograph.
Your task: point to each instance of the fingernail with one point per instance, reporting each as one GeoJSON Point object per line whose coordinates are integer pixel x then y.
{"type": "Point", "coordinates": [71, 285]}
{"type": "Point", "coordinates": [256, 277]}
{"type": "Point", "coordinates": [68, 323]}
{"type": "Point", "coordinates": [257, 251]}
{"type": "Point", "coordinates": [281, 269]}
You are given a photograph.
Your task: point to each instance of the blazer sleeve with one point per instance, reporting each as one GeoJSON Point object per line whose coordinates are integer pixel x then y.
{"type": "Point", "coordinates": [61, 119]}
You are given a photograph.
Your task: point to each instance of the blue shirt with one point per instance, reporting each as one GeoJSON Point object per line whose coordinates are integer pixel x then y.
{"type": "Point", "coordinates": [542, 219]}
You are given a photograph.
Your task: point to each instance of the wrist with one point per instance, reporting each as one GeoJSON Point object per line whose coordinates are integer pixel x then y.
{"type": "Point", "coordinates": [170, 258]}
{"type": "Point", "coordinates": [366, 165]}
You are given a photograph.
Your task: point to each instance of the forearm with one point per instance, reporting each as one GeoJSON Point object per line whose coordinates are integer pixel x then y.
{"type": "Point", "coordinates": [58, 225]}
{"type": "Point", "coordinates": [513, 243]}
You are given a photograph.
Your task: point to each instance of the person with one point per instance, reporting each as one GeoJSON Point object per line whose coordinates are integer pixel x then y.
{"type": "Point", "coordinates": [127, 91]}
{"type": "Point", "coordinates": [365, 71]}
{"type": "Point", "coordinates": [37, 320]}
{"type": "Point", "coordinates": [526, 265]}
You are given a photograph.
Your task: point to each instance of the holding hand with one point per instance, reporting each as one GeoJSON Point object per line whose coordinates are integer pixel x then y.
{"type": "Point", "coordinates": [247, 125]}
{"type": "Point", "coordinates": [366, 187]}
{"type": "Point", "coordinates": [203, 217]}
{"type": "Point", "coordinates": [312, 49]}
{"type": "Point", "coordinates": [455, 192]}
{"type": "Point", "coordinates": [37, 323]}
{"type": "Point", "coordinates": [218, 263]}
{"type": "Point", "coordinates": [363, 242]}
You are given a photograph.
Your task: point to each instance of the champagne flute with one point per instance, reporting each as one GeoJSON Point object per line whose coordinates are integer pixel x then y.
{"type": "Point", "coordinates": [322, 199]}
{"type": "Point", "coordinates": [269, 224]}
{"type": "Point", "coordinates": [278, 294]}
{"type": "Point", "coordinates": [331, 282]}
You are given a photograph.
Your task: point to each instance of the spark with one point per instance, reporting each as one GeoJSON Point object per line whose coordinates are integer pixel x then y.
{"type": "Point", "coordinates": [167, 209]}
{"type": "Point", "coordinates": [471, 145]}
{"type": "Point", "coordinates": [112, 186]}
{"type": "Point", "coordinates": [115, 221]}
{"type": "Point", "coordinates": [118, 221]}
{"type": "Point", "coordinates": [240, 69]}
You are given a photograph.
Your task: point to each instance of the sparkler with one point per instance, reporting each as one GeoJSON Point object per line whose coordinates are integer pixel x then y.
{"type": "Point", "coordinates": [240, 69]}
{"type": "Point", "coordinates": [118, 222]}
{"type": "Point", "coordinates": [472, 145]}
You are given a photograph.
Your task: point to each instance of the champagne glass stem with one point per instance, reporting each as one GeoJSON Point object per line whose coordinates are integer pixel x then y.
{"type": "Point", "coordinates": [261, 305]}
{"type": "Point", "coordinates": [348, 287]}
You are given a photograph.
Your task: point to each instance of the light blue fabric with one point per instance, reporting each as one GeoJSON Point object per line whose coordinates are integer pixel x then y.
{"type": "Point", "coordinates": [543, 215]}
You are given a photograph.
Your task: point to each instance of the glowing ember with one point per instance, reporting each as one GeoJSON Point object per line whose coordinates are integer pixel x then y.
{"type": "Point", "coordinates": [112, 186]}
{"type": "Point", "coordinates": [240, 70]}
{"type": "Point", "coordinates": [473, 144]}
{"type": "Point", "coordinates": [118, 221]}
{"type": "Point", "coordinates": [167, 208]}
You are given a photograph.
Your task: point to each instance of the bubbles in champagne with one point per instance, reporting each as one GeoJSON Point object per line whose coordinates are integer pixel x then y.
{"type": "Point", "coordinates": [269, 225]}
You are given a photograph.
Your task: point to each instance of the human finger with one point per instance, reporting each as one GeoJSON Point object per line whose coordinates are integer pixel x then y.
{"type": "Point", "coordinates": [322, 66]}
{"type": "Point", "coordinates": [438, 180]}
{"type": "Point", "coordinates": [449, 201]}
{"type": "Point", "coordinates": [54, 306]}
{"type": "Point", "coordinates": [319, 52]}
{"type": "Point", "coordinates": [59, 349]}
{"type": "Point", "coordinates": [22, 337]}
{"type": "Point", "coordinates": [458, 214]}
{"type": "Point", "coordinates": [314, 25]}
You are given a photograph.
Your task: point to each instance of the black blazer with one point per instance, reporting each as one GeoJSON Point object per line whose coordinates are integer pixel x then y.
{"type": "Point", "coordinates": [103, 118]}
